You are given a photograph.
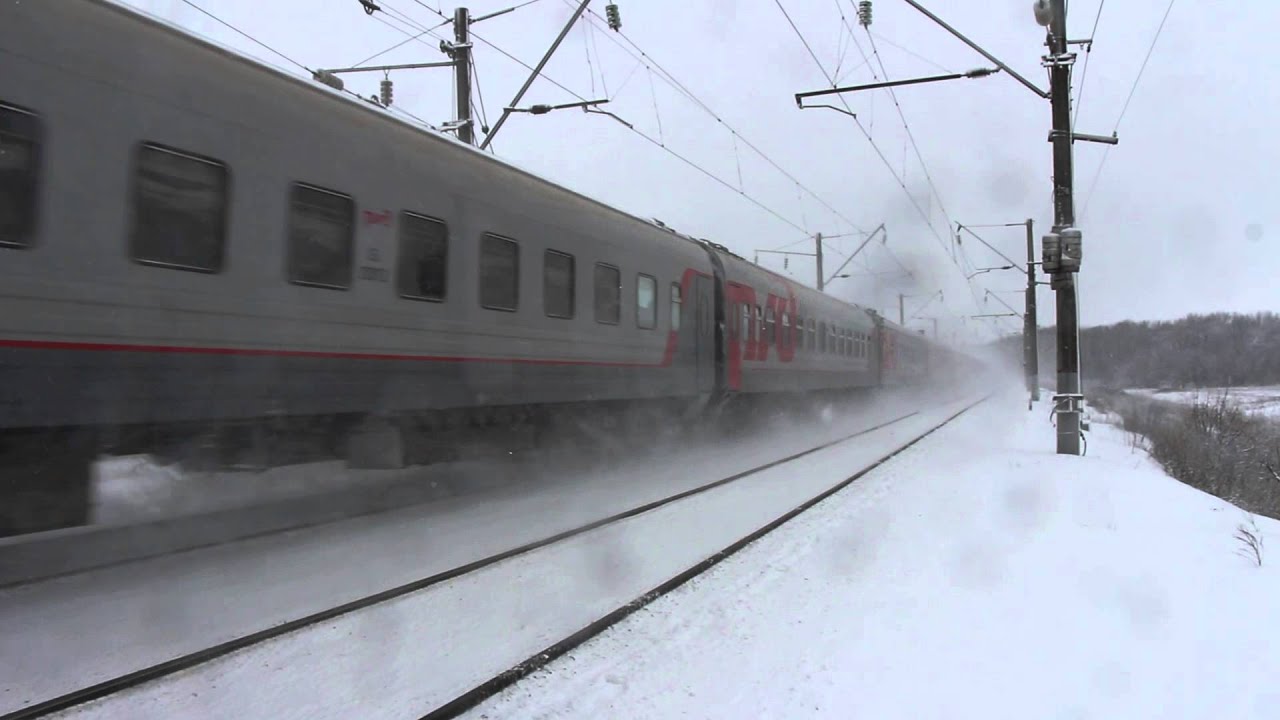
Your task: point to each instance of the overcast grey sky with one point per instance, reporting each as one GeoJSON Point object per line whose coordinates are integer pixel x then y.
{"type": "Point", "coordinates": [1183, 218]}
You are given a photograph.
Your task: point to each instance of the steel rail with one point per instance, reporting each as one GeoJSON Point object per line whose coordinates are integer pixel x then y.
{"type": "Point", "coordinates": [187, 661]}
{"type": "Point", "coordinates": [491, 687]}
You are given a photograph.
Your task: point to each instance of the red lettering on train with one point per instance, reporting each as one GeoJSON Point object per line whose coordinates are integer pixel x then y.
{"type": "Point", "coordinates": [375, 217]}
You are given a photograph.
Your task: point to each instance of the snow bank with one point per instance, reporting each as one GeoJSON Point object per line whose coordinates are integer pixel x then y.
{"type": "Point", "coordinates": [1258, 400]}
{"type": "Point", "coordinates": [978, 575]}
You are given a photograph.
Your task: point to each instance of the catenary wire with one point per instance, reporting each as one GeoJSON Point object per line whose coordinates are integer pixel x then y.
{"type": "Point", "coordinates": [228, 25]}
{"type": "Point", "coordinates": [670, 79]}
{"type": "Point", "coordinates": [907, 127]}
{"type": "Point", "coordinates": [645, 136]}
{"type": "Point", "coordinates": [888, 164]}
{"type": "Point", "coordinates": [1133, 89]}
{"type": "Point", "coordinates": [1084, 72]}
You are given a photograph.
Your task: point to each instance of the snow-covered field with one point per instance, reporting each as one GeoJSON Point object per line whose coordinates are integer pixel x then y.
{"type": "Point", "coordinates": [1260, 400]}
{"type": "Point", "coordinates": [975, 575]}
{"type": "Point", "coordinates": [978, 575]}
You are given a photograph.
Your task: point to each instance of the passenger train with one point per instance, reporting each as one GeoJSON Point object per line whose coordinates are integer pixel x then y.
{"type": "Point", "coordinates": [191, 239]}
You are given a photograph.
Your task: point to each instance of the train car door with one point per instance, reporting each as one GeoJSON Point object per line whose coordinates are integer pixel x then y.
{"type": "Point", "coordinates": [704, 338]}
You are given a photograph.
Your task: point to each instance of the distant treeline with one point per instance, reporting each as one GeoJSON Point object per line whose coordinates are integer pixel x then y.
{"type": "Point", "coordinates": [1220, 349]}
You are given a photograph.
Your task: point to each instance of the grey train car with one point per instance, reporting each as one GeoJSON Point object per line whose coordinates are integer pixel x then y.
{"type": "Point", "coordinates": [191, 240]}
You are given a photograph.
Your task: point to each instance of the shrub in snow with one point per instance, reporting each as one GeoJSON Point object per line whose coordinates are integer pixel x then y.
{"type": "Point", "coordinates": [1250, 538]}
{"type": "Point", "coordinates": [1211, 445]}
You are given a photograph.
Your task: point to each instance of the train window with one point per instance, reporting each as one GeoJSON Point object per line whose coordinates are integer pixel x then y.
{"type": "Point", "coordinates": [822, 337]}
{"type": "Point", "coordinates": [677, 303]}
{"type": "Point", "coordinates": [179, 210]}
{"type": "Point", "coordinates": [499, 273]}
{"type": "Point", "coordinates": [608, 300]}
{"type": "Point", "coordinates": [424, 251]}
{"type": "Point", "coordinates": [798, 340]}
{"type": "Point", "coordinates": [770, 326]}
{"type": "Point", "coordinates": [20, 137]}
{"type": "Point", "coordinates": [813, 334]}
{"type": "Point", "coordinates": [785, 338]}
{"type": "Point", "coordinates": [646, 302]}
{"type": "Point", "coordinates": [744, 330]}
{"type": "Point", "coordinates": [320, 237]}
{"type": "Point", "coordinates": [557, 284]}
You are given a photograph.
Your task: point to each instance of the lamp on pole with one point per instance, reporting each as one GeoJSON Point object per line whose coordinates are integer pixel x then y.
{"type": "Point", "coordinates": [980, 271]}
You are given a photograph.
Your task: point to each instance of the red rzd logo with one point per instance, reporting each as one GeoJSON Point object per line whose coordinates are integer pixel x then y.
{"type": "Point", "coordinates": [374, 217]}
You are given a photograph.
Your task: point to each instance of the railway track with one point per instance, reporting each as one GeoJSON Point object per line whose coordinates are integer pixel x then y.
{"type": "Point", "coordinates": [497, 683]}
{"type": "Point", "coordinates": [535, 662]}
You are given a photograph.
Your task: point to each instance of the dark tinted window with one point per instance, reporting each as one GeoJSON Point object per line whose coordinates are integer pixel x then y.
{"type": "Point", "coordinates": [424, 252]}
{"type": "Point", "coordinates": [608, 292]}
{"type": "Point", "coordinates": [320, 237]}
{"type": "Point", "coordinates": [557, 284]}
{"type": "Point", "coordinates": [646, 302]}
{"type": "Point", "coordinates": [20, 137]}
{"type": "Point", "coordinates": [179, 210]}
{"type": "Point", "coordinates": [499, 273]}
{"type": "Point", "coordinates": [677, 303]}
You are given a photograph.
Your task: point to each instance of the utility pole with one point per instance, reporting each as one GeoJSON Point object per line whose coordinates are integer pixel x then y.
{"type": "Point", "coordinates": [1031, 343]}
{"type": "Point", "coordinates": [902, 310]}
{"type": "Point", "coordinates": [462, 73]}
{"type": "Point", "coordinates": [817, 254]}
{"type": "Point", "coordinates": [1062, 246]}
{"type": "Point", "coordinates": [1060, 255]}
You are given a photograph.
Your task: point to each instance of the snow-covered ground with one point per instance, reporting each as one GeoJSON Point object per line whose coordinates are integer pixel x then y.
{"type": "Point", "coordinates": [975, 575]}
{"type": "Point", "coordinates": [61, 634]}
{"type": "Point", "coordinates": [1259, 399]}
{"type": "Point", "coordinates": [978, 575]}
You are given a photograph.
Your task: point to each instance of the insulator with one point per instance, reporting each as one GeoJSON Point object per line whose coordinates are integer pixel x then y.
{"type": "Point", "coordinates": [864, 13]}
{"type": "Point", "coordinates": [614, 17]}
{"type": "Point", "coordinates": [386, 92]}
